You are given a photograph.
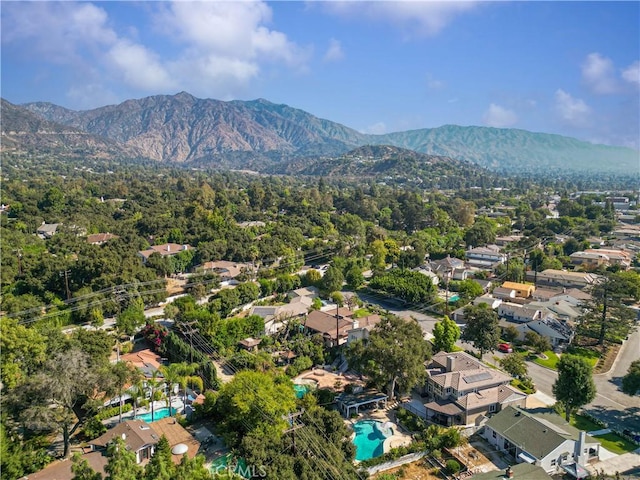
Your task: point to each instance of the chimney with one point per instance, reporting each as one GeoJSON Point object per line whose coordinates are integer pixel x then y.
{"type": "Point", "coordinates": [168, 247]}
{"type": "Point", "coordinates": [184, 247]}
{"type": "Point", "coordinates": [451, 361]}
{"type": "Point", "coordinates": [579, 455]}
{"type": "Point", "coordinates": [509, 472]}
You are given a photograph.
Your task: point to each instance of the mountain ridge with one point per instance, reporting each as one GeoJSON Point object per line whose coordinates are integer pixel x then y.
{"type": "Point", "coordinates": [183, 128]}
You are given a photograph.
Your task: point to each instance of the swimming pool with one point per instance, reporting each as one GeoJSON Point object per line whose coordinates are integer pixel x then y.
{"type": "Point", "coordinates": [301, 390]}
{"type": "Point", "coordinates": [221, 465]}
{"type": "Point", "coordinates": [302, 386]}
{"type": "Point", "coordinates": [158, 414]}
{"type": "Point", "coordinates": [454, 298]}
{"type": "Point", "coordinates": [369, 439]}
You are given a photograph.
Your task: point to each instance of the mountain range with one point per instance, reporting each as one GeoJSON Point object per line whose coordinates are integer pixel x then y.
{"type": "Point", "coordinates": [183, 128]}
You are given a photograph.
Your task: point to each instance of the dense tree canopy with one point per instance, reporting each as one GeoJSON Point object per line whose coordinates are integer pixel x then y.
{"type": "Point", "coordinates": [393, 356]}
{"type": "Point", "coordinates": [631, 381]}
{"type": "Point", "coordinates": [575, 386]}
{"type": "Point", "coordinates": [482, 328]}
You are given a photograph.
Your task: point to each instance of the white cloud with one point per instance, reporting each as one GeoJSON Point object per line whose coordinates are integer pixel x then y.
{"type": "Point", "coordinates": [375, 129]}
{"type": "Point", "coordinates": [631, 74]}
{"type": "Point", "coordinates": [599, 74]}
{"type": "Point", "coordinates": [573, 111]}
{"type": "Point", "coordinates": [218, 47]}
{"type": "Point", "coordinates": [334, 53]}
{"type": "Point", "coordinates": [232, 30]}
{"type": "Point", "coordinates": [497, 116]}
{"type": "Point", "coordinates": [139, 67]}
{"type": "Point", "coordinates": [56, 31]}
{"type": "Point", "coordinates": [414, 17]}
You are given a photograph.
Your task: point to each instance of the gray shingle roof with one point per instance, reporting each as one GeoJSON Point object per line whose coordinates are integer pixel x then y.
{"type": "Point", "coordinates": [538, 434]}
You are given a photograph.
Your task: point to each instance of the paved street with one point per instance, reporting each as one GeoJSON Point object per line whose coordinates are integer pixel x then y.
{"type": "Point", "coordinates": [611, 405]}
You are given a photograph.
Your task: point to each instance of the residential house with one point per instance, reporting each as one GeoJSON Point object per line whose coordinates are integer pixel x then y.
{"type": "Point", "coordinates": [166, 249]}
{"type": "Point", "coordinates": [462, 389]}
{"type": "Point", "coordinates": [432, 275]}
{"type": "Point", "coordinates": [275, 317]}
{"type": "Point", "coordinates": [544, 440]}
{"type": "Point", "coordinates": [520, 471]}
{"type": "Point", "coordinates": [176, 434]}
{"type": "Point", "coordinates": [311, 292]}
{"type": "Point", "coordinates": [519, 313]}
{"type": "Point", "coordinates": [505, 294]}
{"type": "Point", "coordinates": [485, 284]}
{"type": "Point", "coordinates": [445, 267]}
{"type": "Point", "coordinates": [505, 240]}
{"type": "Point", "coordinates": [61, 469]}
{"type": "Point", "coordinates": [544, 294]}
{"type": "Point", "coordinates": [488, 300]}
{"type": "Point", "coordinates": [563, 278]}
{"type": "Point", "coordinates": [485, 257]}
{"type": "Point", "coordinates": [594, 258]}
{"type": "Point", "coordinates": [140, 438]}
{"type": "Point", "coordinates": [332, 328]}
{"type": "Point", "coordinates": [101, 238]}
{"type": "Point", "coordinates": [523, 290]}
{"type": "Point", "coordinates": [558, 332]}
{"type": "Point", "coordinates": [361, 327]}
{"type": "Point", "coordinates": [566, 309]}
{"type": "Point", "coordinates": [47, 230]}
{"type": "Point", "coordinates": [227, 271]}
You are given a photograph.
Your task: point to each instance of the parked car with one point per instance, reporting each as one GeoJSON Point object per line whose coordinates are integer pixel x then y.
{"type": "Point", "coordinates": [505, 348]}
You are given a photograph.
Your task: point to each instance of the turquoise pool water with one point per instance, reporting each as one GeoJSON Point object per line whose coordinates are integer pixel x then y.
{"type": "Point", "coordinates": [221, 465]}
{"type": "Point", "coordinates": [158, 414]}
{"type": "Point", "coordinates": [369, 440]}
{"type": "Point", "coordinates": [301, 390]}
{"type": "Point", "coordinates": [454, 298]}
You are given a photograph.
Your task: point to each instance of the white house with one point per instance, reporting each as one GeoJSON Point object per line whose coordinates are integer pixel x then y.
{"type": "Point", "coordinates": [545, 440]}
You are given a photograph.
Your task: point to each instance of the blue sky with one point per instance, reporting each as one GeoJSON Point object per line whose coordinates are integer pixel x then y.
{"type": "Point", "coordinates": [571, 68]}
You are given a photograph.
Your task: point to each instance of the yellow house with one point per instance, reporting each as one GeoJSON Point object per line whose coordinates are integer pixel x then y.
{"type": "Point", "coordinates": [523, 290]}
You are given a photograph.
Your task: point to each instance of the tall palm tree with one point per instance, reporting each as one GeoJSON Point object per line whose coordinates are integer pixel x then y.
{"type": "Point", "coordinates": [137, 391]}
{"type": "Point", "coordinates": [121, 375]}
{"type": "Point", "coordinates": [155, 383]}
{"type": "Point", "coordinates": [178, 373]}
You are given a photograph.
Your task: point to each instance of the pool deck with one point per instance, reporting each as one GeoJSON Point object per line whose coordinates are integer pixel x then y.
{"type": "Point", "coordinates": [399, 438]}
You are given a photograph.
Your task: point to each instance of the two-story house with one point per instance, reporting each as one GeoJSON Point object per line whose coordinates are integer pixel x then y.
{"type": "Point", "coordinates": [485, 257]}
{"type": "Point", "coordinates": [460, 389]}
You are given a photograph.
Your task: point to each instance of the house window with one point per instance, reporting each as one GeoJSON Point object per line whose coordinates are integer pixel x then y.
{"type": "Point", "coordinates": [492, 408]}
{"type": "Point", "coordinates": [448, 390]}
{"type": "Point", "coordinates": [493, 433]}
{"type": "Point", "coordinates": [553, 462]}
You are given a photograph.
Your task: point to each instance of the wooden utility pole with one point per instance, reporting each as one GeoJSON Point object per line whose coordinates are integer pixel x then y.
{"type": "Point", "coordinates": [188, 329]}
{"type": "Point", "coordinates": [293, 427]}
{"type": "Point", "coordinates": [66, 282]}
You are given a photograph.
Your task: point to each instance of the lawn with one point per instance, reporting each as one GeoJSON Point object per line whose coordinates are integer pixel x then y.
{"type": "Point", "coordinates": [612, 442]}
{"type": "Point", "coordinates": [583, 423]}
{"type": "Point", "coordinates": [550, 362]}
{"type": "Point", "coordinates": [589, 355]}
{"type": "Point", "coordinates": [615, 443]}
